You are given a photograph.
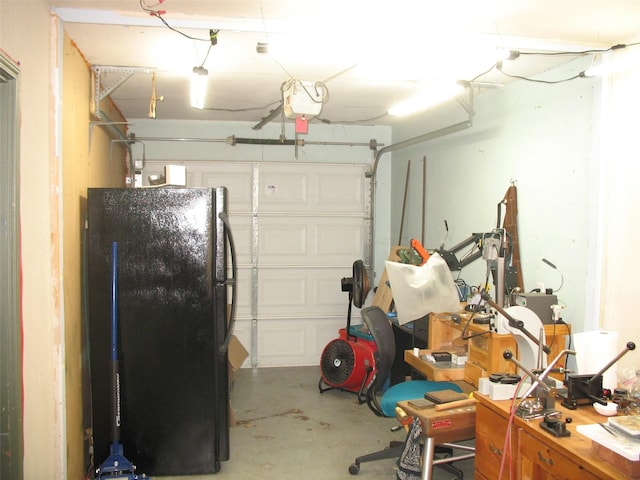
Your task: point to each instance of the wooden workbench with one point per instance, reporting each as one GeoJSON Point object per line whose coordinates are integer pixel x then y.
{"type": "Point", "coordinates": [535, 453]}
{"type": "Point", "coordinates": [436, 371]}
{"type": "Point", "coordinates": [443, 427]}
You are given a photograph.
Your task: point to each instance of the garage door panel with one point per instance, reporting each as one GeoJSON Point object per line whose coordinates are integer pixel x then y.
{"type": "Point", "coordinates": [329, 290]}
{"type": "Point", "coordinates": [282, 291]}
{"type": "Point", "coordinates": [312, 189]}
{"type": "Point", "coordinates": [340, 191]}
{"type": "Point", "coordinates": [244, 296]}
{"type": "Point", "coordinates": [323, 331]}
{"type": "Point", "coordinates": [278, 339]}
{"type": "Point", "coordinates": [310, 241]}
{"type": "Point", "coordinates": [282, 238]}
{"type": "Point", "coordinates": [239, 188]}
{"type": "Point", "coordinates": [280, 190]}
{"type": "Point", "coordinates": [295, 341]}
{"type": "Point", "coordinates": [286, 292]}
{"type": "Point", "coordinates": [341, 239]}
{"type": "Point", "coordinates": [242, 231]}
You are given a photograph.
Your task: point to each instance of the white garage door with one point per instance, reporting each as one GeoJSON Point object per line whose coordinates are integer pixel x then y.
{"type": "Point", "coordinates": [298, 228]}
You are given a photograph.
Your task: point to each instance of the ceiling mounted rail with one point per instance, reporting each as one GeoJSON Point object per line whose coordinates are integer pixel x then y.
{"type": "Point", "coordinates": [232, 140]}
{"type": "Point", "coordinates": [272, 114]}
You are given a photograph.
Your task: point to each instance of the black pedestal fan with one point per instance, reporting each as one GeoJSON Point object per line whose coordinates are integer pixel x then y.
{"type": "Point", "coordinates": [347, 363]}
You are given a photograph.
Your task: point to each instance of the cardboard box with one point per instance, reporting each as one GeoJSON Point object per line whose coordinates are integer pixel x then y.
{"type": "Point", "coordinates": [236, 352]}
{"type": "Point", "coordinates": [237, 355]}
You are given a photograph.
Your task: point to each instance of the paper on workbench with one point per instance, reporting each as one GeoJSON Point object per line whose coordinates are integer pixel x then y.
{"type": "Point", "coordinates": [419, 290]}
{"type": "Point", "coordinates": [626, 446]}
{"type": "Point", "coordinates": [606, 346]}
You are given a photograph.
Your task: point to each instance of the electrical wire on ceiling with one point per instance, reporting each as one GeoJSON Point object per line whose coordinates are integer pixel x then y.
{"type": "Point", "coordinates": [155, 12]}
{"type": "Point", "coordinates": [499, 65]}
{"type": "Point", "coordinates": [584, 52]}
{"type": "Point", "coordinates": [152, 9]}
{"type": "Point", "coordinates": [213, 41]}
{"type": "Point", "coordinates": [352, 122]}
{"type": "Point", "coordinates": [499, 68]}
{"type": "Point", "coordinates": [247, 109]}
{"type": "Point", "coordinates": [159, 14]}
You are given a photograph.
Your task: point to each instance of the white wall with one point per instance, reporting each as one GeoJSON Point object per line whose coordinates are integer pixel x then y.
{"type": "Point", "coordinates": [547, 139]}
{"type": "Point", "coordinates": [26, 34]}
{"type": "Point", "coordinates": [619, 283]}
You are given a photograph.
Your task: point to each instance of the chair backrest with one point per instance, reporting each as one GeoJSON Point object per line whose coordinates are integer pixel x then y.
{"type": "Point", "coordinates": [382, 332]}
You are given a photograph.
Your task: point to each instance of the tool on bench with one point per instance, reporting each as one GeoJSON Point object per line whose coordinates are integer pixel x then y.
{"type": "Point", "coordinates": [455, 404]}
{"type": "Point", "coordinates": [414, 255]}
{"type": "Point", "coordinates": [587, 389]}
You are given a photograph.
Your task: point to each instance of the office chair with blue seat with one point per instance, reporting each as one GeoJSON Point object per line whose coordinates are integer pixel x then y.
{"type": "Point", "coordinates": [382, 332]}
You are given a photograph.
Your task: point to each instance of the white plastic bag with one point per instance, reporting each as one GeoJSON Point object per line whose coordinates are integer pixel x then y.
{"type": "Point", "coordinates": [418, 291]}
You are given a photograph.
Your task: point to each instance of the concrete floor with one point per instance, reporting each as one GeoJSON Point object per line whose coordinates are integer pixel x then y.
{"type": "Point", "coordinates": [285, 429]}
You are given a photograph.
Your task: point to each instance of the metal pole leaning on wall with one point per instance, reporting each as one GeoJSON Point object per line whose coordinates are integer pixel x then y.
{"type": "Point", "coordinates": [404, 201]}
{"type": "Point", "coordinates": [424, 199]}
{"type": "Point", "coordinates": [457, 127]}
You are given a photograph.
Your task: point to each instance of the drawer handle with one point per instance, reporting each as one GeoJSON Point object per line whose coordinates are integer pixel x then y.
{"type": "Point", "coordinates": [548, 461]}
{"type": "Point", "coordinates": [494, 450]}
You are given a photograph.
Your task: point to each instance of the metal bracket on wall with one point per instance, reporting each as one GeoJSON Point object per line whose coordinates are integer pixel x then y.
{"type": "Point", "coordinates": [118, 76]}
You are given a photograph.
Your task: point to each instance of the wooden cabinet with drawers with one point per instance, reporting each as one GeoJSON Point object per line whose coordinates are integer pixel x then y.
{"type": "Point", "coordinates": [532, 453]}
{"type": "Point", "coordinates": [541, 460]}
{"type": "Point", "coordinates": [491, 434]}
{"type": "Point", "coordinates": [484, 347]}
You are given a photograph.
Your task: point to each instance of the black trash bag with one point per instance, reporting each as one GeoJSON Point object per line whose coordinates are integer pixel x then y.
{"type": "Point", "coordinates": [409, 463]}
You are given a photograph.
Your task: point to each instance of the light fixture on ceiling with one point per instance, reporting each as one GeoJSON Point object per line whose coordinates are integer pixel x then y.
{"type": "Point", "coordinates": [199, 86]}
{"type": "Point", "coordinates": [200, 75]}
{"type": "Point", "coordinates": [433, 95]}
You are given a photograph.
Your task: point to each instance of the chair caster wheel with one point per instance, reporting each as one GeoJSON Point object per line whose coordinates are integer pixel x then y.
{"type": "Point", "coordinates": [354, 468]}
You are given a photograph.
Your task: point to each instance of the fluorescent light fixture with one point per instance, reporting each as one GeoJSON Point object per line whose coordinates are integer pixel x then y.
{"type": "Point", "coordinates": [199, 86]}
{"type": "Point", "coordinates": [433, 95]}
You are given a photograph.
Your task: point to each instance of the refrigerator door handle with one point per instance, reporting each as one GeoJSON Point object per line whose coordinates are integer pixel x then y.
{"type": "Point", "coordinates": [230, 281]}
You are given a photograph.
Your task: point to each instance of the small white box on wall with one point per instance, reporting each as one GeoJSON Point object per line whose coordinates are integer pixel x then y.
{"type": "Point", "coordinates": [175, 175]}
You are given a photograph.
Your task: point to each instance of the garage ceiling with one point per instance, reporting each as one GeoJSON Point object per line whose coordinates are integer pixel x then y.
{"type": "Point", "coordinates": [366, 55]}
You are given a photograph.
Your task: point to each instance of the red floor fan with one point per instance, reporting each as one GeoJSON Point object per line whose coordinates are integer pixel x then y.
{"type": "Point", "coordinates": [347, 363]}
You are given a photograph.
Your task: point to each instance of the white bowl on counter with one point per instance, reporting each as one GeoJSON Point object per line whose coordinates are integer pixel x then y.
{"type": "Point", "coordinates": [608, 410]}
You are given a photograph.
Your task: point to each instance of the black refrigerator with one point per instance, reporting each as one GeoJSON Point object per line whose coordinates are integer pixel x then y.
{"type": "Point", "coordinates": [173, 330]}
